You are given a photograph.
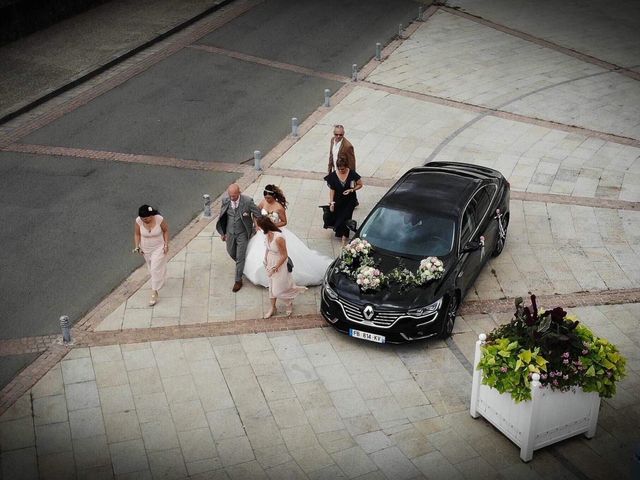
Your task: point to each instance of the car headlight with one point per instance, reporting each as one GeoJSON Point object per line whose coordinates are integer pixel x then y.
{"type": "Point", "coordinates": [331, 293]}
{"type": "Point", "coordinates": [422, 311]}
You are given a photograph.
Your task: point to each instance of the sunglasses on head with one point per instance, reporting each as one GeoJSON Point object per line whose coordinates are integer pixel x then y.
{"type": "Point", "coordinates": [267, 192]}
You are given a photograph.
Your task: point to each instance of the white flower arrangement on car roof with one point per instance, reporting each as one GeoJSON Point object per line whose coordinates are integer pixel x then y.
{"type": "Point", "coordinates": [356, 262]}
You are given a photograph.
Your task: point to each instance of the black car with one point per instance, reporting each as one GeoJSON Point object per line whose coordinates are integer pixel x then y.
{"type": "Point", "coordinates": [454, 211]}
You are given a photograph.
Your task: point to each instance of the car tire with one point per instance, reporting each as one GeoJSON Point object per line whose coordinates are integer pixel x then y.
{"type": "Point", "coordinates": [500, 242]}
{"type": "Point", "coordinates": [449, 319]}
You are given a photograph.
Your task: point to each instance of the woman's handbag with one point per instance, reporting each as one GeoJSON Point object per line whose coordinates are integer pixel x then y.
{"type": "Point", "coordinates": [328, 217]}
{"type": "Point", "coordinates": [289, 264]}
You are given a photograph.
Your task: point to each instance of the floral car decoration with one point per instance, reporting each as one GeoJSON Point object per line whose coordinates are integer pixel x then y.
{"type": "Point", "coordinates": [554, 345]}
{"type": "Point", "coordinates": [356, 261]}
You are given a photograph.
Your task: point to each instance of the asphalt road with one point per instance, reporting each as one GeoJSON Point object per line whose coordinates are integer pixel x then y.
{"type": "Point", "coordinates": [193, 105]}
{"type": "Point", "coordinates": [67, 222]}
{"type": "Point", "coordinates": [71, 230]}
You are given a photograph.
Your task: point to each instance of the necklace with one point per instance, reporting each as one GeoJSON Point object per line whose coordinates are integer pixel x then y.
{"type": "Point", "coordinates": [148, 229]}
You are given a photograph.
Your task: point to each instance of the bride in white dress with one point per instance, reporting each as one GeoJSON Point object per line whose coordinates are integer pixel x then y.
{"type": "Point", "coordinates": [309, 266]}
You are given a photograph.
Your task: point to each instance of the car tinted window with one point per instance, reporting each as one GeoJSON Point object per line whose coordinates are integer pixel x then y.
{"type": "Point", "coordinates": [468, 225]}
{"type": "Point", "coordinates": [482, 201]}
{"type": "Point", "coordinates": [409, 233]}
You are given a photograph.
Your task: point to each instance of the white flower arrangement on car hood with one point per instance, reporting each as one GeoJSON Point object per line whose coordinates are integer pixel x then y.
{"type": "Point", "coordinates": [356, 261]}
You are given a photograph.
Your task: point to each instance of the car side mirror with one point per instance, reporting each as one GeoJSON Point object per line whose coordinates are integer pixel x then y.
{"type": "Point", "coordinates": [352, 225]}
{"type": "Point", "coordinates": [471, 246]}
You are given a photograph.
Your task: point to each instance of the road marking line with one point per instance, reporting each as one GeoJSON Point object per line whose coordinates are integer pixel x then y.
{"type": "Point", "coordinates": [271, 63]}
{"type": "Point", "coordinates": [155, 160]}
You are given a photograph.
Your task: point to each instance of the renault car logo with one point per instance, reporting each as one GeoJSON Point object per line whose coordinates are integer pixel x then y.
{"type": "Point", "coordinates": [368, 312]}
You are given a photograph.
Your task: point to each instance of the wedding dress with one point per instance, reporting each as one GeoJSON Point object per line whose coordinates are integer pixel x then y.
{"type": "Point", "coordinates": [309, 266]}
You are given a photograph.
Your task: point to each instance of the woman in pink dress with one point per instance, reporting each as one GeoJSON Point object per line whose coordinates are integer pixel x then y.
{"type": "Point", "coordinates": [281, 284]}
{"type": "Point", "coordinates": [151, 238]}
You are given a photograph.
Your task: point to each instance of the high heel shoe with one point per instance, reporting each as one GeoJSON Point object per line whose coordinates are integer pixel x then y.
{"type": "Point", "coordinates": [270, 313]}
{"type": "Point", "coordinates": [154, 299]}
{"type": "Point", "coordinates": [289, 309]}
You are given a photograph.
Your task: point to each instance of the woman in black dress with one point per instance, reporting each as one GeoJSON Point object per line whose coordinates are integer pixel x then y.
{"type": "Point", "coordinates": [342, 184]}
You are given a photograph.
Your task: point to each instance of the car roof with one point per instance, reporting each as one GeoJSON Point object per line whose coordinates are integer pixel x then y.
{"type": "Point", "coordinates": [440, 186]}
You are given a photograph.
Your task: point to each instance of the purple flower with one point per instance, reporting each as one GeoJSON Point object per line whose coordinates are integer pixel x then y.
{"type": "Point", "coordinates": [565, 355]}
{"type": "Point", "coordinates": [555, 382]}
{"type": "Point", "coordinates": [565, 377]}
{"type": "Point", "coordinates": [551, 374]}
{"type": "Point", "coordinates": [543, 376]}
{"type": "Point", "coordinates": [608, 373]}
{"type": "Point", "coordinates": [565, 361]}
{"type": "Point", "coordinates": [503, 369]}
{"type": "Point", "coordinates": [584, 352]}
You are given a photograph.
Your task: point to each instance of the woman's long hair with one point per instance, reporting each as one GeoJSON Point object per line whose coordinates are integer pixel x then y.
{"type": "Point", "coordinates": [276, 192]}
{"type": "Point", "coordinates": [266, 225]}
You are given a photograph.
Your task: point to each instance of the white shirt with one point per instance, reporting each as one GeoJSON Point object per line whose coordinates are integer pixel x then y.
{"type": "Point", "coordinates": [334, 151]}
{"type": "Point", "coordinates": [234, 204]}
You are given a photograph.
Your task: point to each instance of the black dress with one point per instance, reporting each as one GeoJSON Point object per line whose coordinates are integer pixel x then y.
{"type": "Point", "coordinates": [344, 204]}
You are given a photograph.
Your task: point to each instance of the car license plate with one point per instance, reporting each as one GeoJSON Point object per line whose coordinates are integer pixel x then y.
{"type": "Point", "coordinates": [372, 337]}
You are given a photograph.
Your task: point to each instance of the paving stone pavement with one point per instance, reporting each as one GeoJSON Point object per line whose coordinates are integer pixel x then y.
{"type": "Point", "coordinates": [609, 32]}
{"type": "Point", "coordinates": [311, 403]}
{"type": "Point", "coordinates": [483, 66]}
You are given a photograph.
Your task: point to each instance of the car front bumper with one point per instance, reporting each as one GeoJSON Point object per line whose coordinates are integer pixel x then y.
{"type": "Point", "coordinates": [405, 329]}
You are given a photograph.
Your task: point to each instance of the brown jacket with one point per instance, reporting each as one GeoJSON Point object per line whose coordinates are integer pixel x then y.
{"type": "Point", "coordinates": [346, 150]}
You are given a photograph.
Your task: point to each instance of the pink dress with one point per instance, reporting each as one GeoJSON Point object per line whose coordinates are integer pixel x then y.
{"type": "Point", "coordinates": [281, 283]}
{"type": "Point", "coordinates": [152, 244]}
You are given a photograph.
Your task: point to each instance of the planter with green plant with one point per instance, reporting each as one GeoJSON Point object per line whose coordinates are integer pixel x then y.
{"type": "Point", "coordinates": [539, 378]}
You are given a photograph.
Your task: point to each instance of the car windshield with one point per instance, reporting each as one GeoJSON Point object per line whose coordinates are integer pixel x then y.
{"type": "Point", "coordinates": [419, 234]}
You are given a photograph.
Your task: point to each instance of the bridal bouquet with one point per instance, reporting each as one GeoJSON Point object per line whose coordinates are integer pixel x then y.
{"type": "Point", "coordinates": [273, 216]}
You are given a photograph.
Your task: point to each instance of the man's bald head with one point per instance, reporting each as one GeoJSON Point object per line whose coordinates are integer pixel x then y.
{"type": "Point", "coordinates": [234, 192]}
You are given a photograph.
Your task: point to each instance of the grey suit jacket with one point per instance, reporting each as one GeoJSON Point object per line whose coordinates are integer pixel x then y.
{"type": "Point", "coordinates": [247, 209]}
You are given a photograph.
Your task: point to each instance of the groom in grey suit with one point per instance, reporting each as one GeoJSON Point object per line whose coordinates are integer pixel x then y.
{"type": "Point", "coordinates": [235, 226]}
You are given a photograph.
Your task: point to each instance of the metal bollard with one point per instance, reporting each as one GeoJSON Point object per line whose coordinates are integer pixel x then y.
{"type": "Point", "coordinates": [400, 30]}
{"type": "Point", "coordinates": [354, 72]}
{"type": "Point", "coordinates": [66, 329]}
{"type": "Point", "coordinates": [327, 99]}
{"type": "Point", "coordinates": [294, 127]}
{"type": "Point", "coordinates": [257, 156]}
{"type": "Point", "coordinates": [420, 14]}
{"type": "Point", "coordinates": [378, 51]}
{"type": "Point", "coordinates": [207, 205]}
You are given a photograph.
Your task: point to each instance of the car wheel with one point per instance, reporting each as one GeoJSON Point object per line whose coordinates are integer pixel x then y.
{"type": "Point", "coordinates": [501, 240]}
{"type": "Point", "coordinates": [449, 318]}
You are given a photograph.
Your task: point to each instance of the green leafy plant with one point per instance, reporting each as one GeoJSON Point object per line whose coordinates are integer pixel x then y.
{"type": "Point", "coordinates": [554, 345]}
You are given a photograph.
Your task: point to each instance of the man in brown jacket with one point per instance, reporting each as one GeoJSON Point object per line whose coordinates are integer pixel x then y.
{"type": "Point", "coordinates": [341, 147]}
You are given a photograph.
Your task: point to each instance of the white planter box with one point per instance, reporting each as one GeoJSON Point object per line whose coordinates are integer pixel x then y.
{"type": "Point", "coordinates": [550, 416]}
